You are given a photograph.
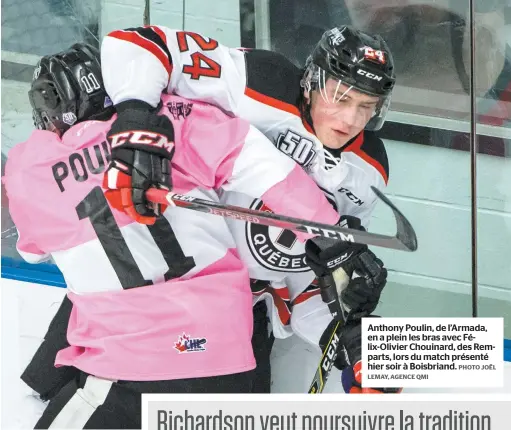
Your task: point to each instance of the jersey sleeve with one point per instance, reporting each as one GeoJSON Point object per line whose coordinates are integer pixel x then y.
{"type": "Point", "coordinates": [18, 192]}
{"type": "Point", "coordinates": [140, 63]}
{"type": "Point", "coordinates": [365, 211]}
{"type": "Point", "coordinates": [28, 249]}
{"type": "Point", "coordinates": [261, 171]}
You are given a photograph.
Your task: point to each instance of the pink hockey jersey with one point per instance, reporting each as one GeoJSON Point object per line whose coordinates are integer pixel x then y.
{"type": "Point", "coordinates": [168, 301]}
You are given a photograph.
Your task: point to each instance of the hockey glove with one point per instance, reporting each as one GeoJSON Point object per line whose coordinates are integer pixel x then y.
{"type": "Point", "coordinates": [366, 274]}
{"type": "Point", "coordinates": [349, 358]}
{"type": "Point", "coordinates": [142, 145]}
{"type": "Point", "coordinates": [368, 279]}
{"type": "Point", "coordinates": [325, 255]}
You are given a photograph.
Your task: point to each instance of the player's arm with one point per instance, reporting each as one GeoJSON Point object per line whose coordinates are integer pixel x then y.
{"type": "Point", "coordinates": [365, 211]}
{"type": "Point", "coordinates": [140, 63]}
{"type": "Point", "coordinates": [360, 184]}
{"type": "Point", "coordinates": [256, 168]}
{"type": "Point", "coordinates": [28, 248]}
{"type": "Point", "coordinates": [15, 185]}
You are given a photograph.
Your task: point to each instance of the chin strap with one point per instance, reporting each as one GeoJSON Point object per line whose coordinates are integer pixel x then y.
{"type": "Point", "coordinates": [305, 111]}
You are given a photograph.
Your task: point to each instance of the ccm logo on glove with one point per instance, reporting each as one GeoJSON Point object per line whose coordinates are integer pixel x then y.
{"type": "Point", "coordinates": [339, 260]}
{"type": "Point", "coordinates": [141, 138]}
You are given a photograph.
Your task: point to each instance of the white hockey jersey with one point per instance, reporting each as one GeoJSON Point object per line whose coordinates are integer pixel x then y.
{"type": "Point", "coordinates": [262, 87]}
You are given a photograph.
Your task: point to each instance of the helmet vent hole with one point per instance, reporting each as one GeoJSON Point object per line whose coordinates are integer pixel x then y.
{"type": "Point", "coordinates": [339, 67]}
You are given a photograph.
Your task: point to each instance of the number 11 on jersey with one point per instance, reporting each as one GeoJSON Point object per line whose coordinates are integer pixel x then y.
{"type": "Point", "coordinates": [95, 208]}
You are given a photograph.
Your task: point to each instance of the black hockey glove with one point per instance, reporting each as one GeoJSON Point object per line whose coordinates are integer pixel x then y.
{"type": "Point", "coordinates": [325, 255]}
{"type": "Point", "coordinates": [142, 145]}
{"type": "Point", "coordinates": [366, 277]}
{"type": "Point", "coordinates": [349, 357]}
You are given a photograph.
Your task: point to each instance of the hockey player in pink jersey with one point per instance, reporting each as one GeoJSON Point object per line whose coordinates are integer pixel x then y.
{"type": "Point", "coordinates": [163, 307]}
{"type": "Point", "coordinates": [323, 117]}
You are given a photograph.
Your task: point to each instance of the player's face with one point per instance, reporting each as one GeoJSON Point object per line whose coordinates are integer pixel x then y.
{"type": "Point", "coordinates": [339, 113]}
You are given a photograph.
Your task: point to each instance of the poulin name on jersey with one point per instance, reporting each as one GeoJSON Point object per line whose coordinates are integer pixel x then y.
{"type": "Point", "coordinates": [275, 248]}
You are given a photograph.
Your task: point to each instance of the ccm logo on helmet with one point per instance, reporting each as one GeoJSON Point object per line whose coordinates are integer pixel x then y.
{"type": "Point", "coordinates": [141, 138]}
{"type": "Point", "coordinates": [369, 75]}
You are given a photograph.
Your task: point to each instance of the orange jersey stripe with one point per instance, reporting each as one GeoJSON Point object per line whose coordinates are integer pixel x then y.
{"type": "Point", "coordinates": [270, 101]}
{"type": "Point", "coordinates": [356, 148]}
{"type": "Point", "coordinates": [135, 38]}
{"type": "Point", "coordinates": [159, 32]}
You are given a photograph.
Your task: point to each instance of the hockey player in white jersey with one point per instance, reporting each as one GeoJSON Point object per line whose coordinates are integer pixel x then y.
{"type": "Point", "coordinates": [323, 117]}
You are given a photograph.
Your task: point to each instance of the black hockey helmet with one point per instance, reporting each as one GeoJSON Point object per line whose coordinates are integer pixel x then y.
{"type": "Point", "coordinates": [67, 88]}
{"type": "Point", "coordinates": [357, 60]}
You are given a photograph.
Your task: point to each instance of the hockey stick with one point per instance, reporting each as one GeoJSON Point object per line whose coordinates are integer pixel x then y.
{"type": "Point", "coordinates": [404, 240]}
{"type": "Point", "coordinates": [330, 350]}
{"type": "Point", "coordinates": [328, 356]}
